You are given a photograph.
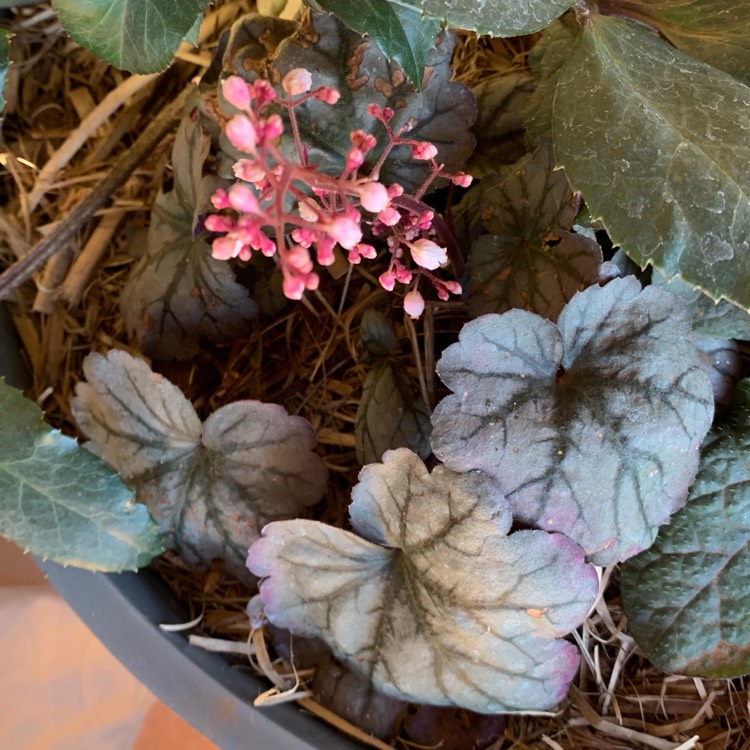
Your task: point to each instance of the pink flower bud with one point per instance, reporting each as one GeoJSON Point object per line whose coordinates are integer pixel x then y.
{"type": "Point", "coordinates": [387, 281]}
{"type": "Point", "coordinates": [324, 253]}
{"type": "Point", "coordinates": [262, 92]}
{"type": "Point", "coordinates": [266, 245]}
{"type": "Point", "coordinates": [307, 212]}
{"type": "Point", "coordinates": [388, 114]}
{"type": "Point", "coordinates": [242, 198]}
{"type": "Point", "coordinates": [414, 304]}
{"type": "Point", "coordinates": [423, 151]}
{"type": "Point", "coordinates": [354, 159]}
{"type": "Point", "coordinates": [395, 190]}
{"type": "Point", "coordinates": [374, 197]}
{"type": "Point", "coordinates": [354, 257]}
{"type": "Point", "coordinates": [311, 281]}
{"type": "Point", "coordinates": [427, 254]}
{"type": "Point", "coordinates": [241, 133]}
{"type": "Point", "coordinates": [218, 223]}
{"type": "Point", "coordinates": [293, 287]}
{"type": "Point", "coordinates": [249, 171]}
{"type": "Point", "coordinates": [327, 94]}
{"type": "Point", "coordinates": [345, 231]}
{"type": "Point", "coordinates": [299, 259]}
{"type": "Point", "coordinates": [236, 92]}
{"type": "Point", "coordinates": [453, 287]}
{"type": "Point", "coordinates": [389, 216]}
{"type": "Point", "coordinates": [425, 220]}
{"type": "Point", "coordinates": [363, 141]}
{"type": "Point", "coordinates": [462, 179]}
{"type": "Point", "coordinates": [272, 128]}
{"type": "Point", "coordinates": [220, 199]}
{"type": "Point", "coordinates": [297, 81]}
{"type": "Point", "coordinates": [366, 251]}
{"type": "Point", "coordinates": [403, 275]}
{"type": "Point", "coordinates": [224, 248]}
{"type": "Point", "coordinates": [442, 293]}
{"type": "Point", "coordinates": [303, 237]}
{"type": "Point", "coordinates": [375, 110]}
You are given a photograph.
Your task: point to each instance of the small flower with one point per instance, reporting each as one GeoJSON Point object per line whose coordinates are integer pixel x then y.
{"type": "Point", "coordinates": [297, 81]}
{"type": "Point", "coordinates": [374, 197]}
{"type": "Point", "coordinates": [224, 248]}
{"type": "Point", "coordinates": [363, 141]}
{"type": "Point", "coordinates": [345, 231]}
{"type": "Point", "coordinates": [242, 133]}
{"type": "Point", "coordinates": [243, 199]}
{"type": "Point", "coordinates": [427, 254]}
{"type": "Point", "coordinates": [236, 92]}
{"type": "Point", "coordinates": [311, 281]}
{"type": "Point", "coordinates": [403, 274]}
{"type": "Point", "coordinates": [387, 281]}
{"type": "Point", "coordinates": [220, 199]}
{"type": "Point", "coordinates": [389, 216]}
{"type": "Point", "coordinates": [218, 223]}
{"type": "Point", "coordinates": [299, 259]}
{"type": "Point", "coordinates": [395, 190]}
{"type": "Point", "coordinates": [307, 212]}
{"type": "Point", "coordinates": [366, 251]}
{"type": "Point", "coordinates": [453, 287]}
{"type": "Point", "coordinates": [293, 287]}
{"type": "Point", "coordinates": [462, 179]}
{"type": "Point", "coordinates": [424, 151]}
{"type": "Point", "coordinates": [354, 159]}
{"type": "Point", "coordinates": [249, 171]}
{"type": "Point", "coordinates": [272, 128]}
{"type": "Point", "coordinates": [262, 92]}
{"type": "Point", "coordinates": [424, 222]}
{"type": "Point", "coordinates": [327, 94]}
{"type": "Point", "coordinates": [414, 304]}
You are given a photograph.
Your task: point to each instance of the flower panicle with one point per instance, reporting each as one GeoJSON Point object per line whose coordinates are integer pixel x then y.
{"type": "Point", "coordinates": [293, 212]}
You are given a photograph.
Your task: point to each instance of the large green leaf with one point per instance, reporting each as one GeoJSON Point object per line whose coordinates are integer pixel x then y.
{"type": "Point", "coordinates": [438, 603]}
{"type": "Point", "coordinates": [60, 501]}
{"type": "Point", "coordinates": [495, 17]}
{"type": "Point", "coordinates": [688, 596]}
{"type": "Point", "coordinates": [211, 486]}
{"type": "Point", "coordinates": [715, 31]}
{"type": "Point", "coordinates": [4, 67]}
{"type": "Point", "coordinates": [592, 426]}
{"type": "Point", "coordinates": [138, 35]}
{"type": "Point", "coordinates": [658, 144]}
{"type": "Point", "coordinates": [399, 30]}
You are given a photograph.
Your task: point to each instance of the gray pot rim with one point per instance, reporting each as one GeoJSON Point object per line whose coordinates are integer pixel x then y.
{"type": "Point", "coordinates": [208, 690]}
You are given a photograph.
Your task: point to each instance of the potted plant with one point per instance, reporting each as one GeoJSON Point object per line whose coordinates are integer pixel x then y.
{"type": "Point", "coordinates": [557, 240]}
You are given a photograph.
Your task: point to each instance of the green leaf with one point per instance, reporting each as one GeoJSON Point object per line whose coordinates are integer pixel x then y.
{"type": "Point", "coordinates": [531, 260]}
{"type": "Point", "coordinates": [60, 501]}
{"type": "Point", "coordinates": [438, 603]}
{"type": "Point", "coordinates": [714, 31]}
{"type": "Point", "coordinates": [177, 295]}
{"type": "Point", "coordinates": [721, 320]}
{"type": "Point", "coordinates": [591, 427]}
{"type": "Point", "coordinates": [390, 414]}
{"type": "Point", "coordinates": [137, 35]}
{"type": "Point", "coordinates": [5, 37]}
{"type": "Point", "coordinates": [495, 17]}
{"type": "Point", "coordinates": [688, 596]}
{"type": "Point", "coordinates": [211, 486]}
{"type": "Point", "coordinates": [668, 136]}
{"type": "Point", "coordinates": [400, 31]}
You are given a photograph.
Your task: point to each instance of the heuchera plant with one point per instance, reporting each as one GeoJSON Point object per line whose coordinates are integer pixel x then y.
{"type": "Point", "coordinates": [575, 403]}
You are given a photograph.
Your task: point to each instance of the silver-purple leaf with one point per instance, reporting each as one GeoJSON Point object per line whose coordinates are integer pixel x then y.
{"type": "Point", "coordinates": [211, 486]}
{"type": "Point", "coordinates": [437, 604]}
{"type": "Point", "coordinates": [591, 426]}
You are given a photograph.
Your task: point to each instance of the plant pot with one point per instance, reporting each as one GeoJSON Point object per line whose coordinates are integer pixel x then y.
{"type": "Point", "coordinates": [208, 690]}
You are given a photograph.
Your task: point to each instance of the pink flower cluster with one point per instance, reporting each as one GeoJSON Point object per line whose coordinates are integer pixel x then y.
{"type": "Point", "coordinates": [329, 212]}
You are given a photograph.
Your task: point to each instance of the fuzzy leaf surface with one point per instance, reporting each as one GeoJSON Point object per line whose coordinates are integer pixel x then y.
{"type": "Point", "coordinates": [668, 135]}
{"type": "Point", "coordinates": [210, 486]}
{"type": "Point", "coordinates": [496, 17]}
{"type": "Point", "coordinates": [59, 501]}
{"type": "Point", "coordinates": [714, 31]}
{"type": "Point", "coordinates": [721, 320]}
{"type": "Point", "coordinates": [530, 260]}
{"type": "Point", "coordinates": [687, 597]}
{"type": "Point", "coordinates": [591, 427]}
{"type": "Point", "coordinates": [137, 35]}
{"type": "Point", "coordinates": [178, 295]}
{"type": "Point", "coordinates": [436, 604]}
{"type": "Point", "coordinates": [400, 31]}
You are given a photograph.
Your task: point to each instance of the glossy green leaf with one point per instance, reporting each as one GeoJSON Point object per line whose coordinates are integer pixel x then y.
{"type": "Point", "coordinates": [721, 320]}
{"type": "Point", "coordinates": [670, 138]}
{"type": "Point", "coordinates": [4, 67]}
{"type": "Point", "coordinates": [61, 502]}
{"type": "Point", "coordinates": [531, 260]}
{"type": "Point", "coordinates": [688, 596]}
{"type": "Point", "coordinates": [592, 426]}
{"type": "Point", "coordinates": [399, 30]}
{"type": "Point", "coordinates": [137, 35]}
{"type": "Point", "coordinates": [438, 603]}
{"type": "Point", "coordinates": [495, 17]}
{"type": "Point", "coordinates": [714, 31]}
{"type": "Point", "coordinates": [177, 295]}
{"type": "Point", "coordinates": [211, 486]}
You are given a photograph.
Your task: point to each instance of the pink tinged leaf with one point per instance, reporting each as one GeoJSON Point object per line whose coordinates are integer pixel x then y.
{"type": "Point", "coordinates": [414, 304]}
{"type": "Point", "coordinates": [442, 606]}
{"type": "Point", "coordinates": [428, 254]}
{"type": "Point", "coordinates": [374, 197]}
{"type": "Point", "coordinates": [424, 151]}
{"type": "Point", "coordinates": [236, 92]}
{"type": "Point", "coordinates": [242, 133]}
{"type": "Point", "coordinates": [243, 199]}
{"type": "Point", "coordinates": [297, 81]}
